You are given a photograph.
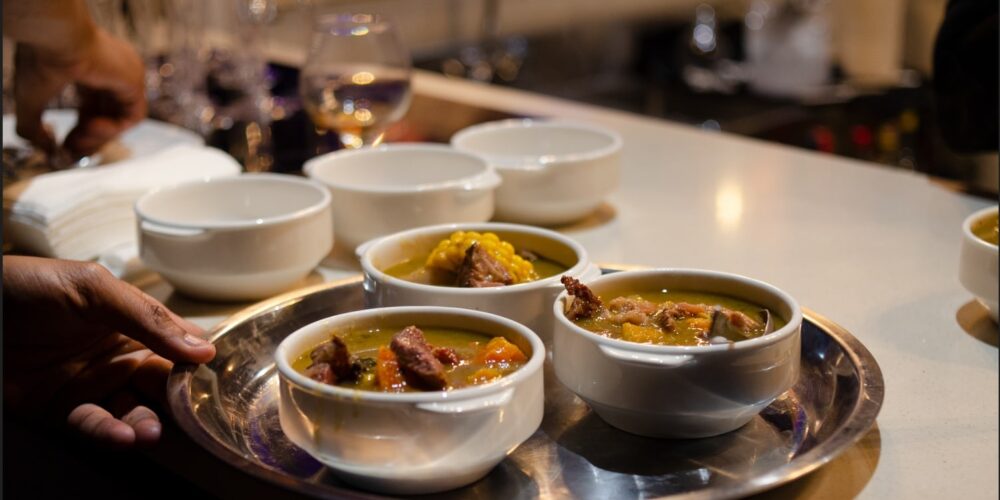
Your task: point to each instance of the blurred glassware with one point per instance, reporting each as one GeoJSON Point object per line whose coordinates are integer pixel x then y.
{"type": "Point", "coordinates": [356, 80]}
{"type": "Point", "coordinates": [145, 26]}
{"type": "Point", "coordinates": [213, 77]}
{"type": "Point", "coordinates": [707, 55]}
{"type": "Point", "coordinates": [491, 58]}
{"type": "Point", "coordinates": [788, 47]}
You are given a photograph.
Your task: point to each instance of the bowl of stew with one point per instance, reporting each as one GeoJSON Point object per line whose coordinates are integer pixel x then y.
{"type": "Point", "coordinates": [676, 353]}
{"type": "Point", "coordinates": [507, 269]}
{"type": "Point", "coordinates": [408, 400]}
{"type": "Point", "coordinates": [978, 258]}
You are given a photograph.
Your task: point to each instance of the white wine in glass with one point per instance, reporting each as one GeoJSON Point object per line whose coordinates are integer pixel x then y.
{"type": "Point", "coordinates": [356, 80]}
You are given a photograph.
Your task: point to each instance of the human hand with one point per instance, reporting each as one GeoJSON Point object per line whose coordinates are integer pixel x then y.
{"type": "Point", "coordinates": [110, 82]}
{"type": "Point", "coordinates": [75, 350]}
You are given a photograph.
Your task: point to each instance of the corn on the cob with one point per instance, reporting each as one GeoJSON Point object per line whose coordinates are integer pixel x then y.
{"type": "Point", "coordinates": [450, 252]}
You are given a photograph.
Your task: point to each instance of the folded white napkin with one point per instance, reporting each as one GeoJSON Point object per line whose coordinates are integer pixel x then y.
{"type": "Point", "coordinates": [81, 213]}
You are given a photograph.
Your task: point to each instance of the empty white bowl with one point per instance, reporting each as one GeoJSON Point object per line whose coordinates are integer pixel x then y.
{"type": "Point", "coordinates": [527, 303]}
{"type": "Point", "coordinates": [553, 172]}
{"type": "Point", "coordinates": [977, 269]}
{"type": "Point", "coordinates": [235, 238]}
{"type": "Point", "coordinates": [679, 391]}
{"type": "Point", "coordinates": [389, 188]}
{"type": "Point", "coordinates": [415, 442]}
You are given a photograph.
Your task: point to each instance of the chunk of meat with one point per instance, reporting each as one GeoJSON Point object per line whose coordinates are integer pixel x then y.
{"type": "Point", "coordinates": [672, 311]}
{"type": "Point", "coordinates": [416, 360]}
{"type": "Point", "coordinates": [321, 372]}
{"type": "Point", "coordinates": [387, 373]}
{"type": "Point", "coordinates": [623, 304]}
{"type": "Point", "coordinates": [634, 310]}
{"type": "Point", "coordinates": [447, 355]}
{"type": "Point", "coordinates": [334, 353]}
{"type": "Point", "coordinates": [583, 302]}
{"type": "Point", "coordinates": [666, 322]}
{"type": "Point", "coordinates": [480, 270]}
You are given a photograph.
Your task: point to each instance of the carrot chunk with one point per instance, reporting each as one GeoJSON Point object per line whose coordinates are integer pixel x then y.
{"type": "Point", "coordinates": [387, 373]}
{"type": "Point", "coordinates": [500, 351]}
{"type": "Point", "coordinates": [484, 375]}
{"type": "Point", "coordinates": [642, 334]}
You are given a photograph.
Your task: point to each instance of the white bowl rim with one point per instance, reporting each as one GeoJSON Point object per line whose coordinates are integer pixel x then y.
{"type": "Point", "coordinates": [583, 260]}
{"type": "Point", "coordinates": [527, 370]}
{"type": "Point", "coordinates": [973, 217]}
{"type": "Point", "coordinates": [790, 327]}
{"type": "Point", "coordinates": [487, 127]}
{"type": "Point", "coordinates": [324, 202]}
{"type": "Point", "coordinates": [484, 179]}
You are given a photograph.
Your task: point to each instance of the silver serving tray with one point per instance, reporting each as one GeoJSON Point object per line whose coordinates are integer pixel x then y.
{"type": "Point", "coordinates": [229, 407]}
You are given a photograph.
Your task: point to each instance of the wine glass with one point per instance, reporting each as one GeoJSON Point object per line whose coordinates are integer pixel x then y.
{"type": "Point", "coordinates": [356, 80]}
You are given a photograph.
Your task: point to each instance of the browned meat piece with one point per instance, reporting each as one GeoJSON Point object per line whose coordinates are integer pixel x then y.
{"type": "Point", "coordinates": [584, 303]}
{"type": "Point", "coordinates": [480, 270]}
{"type": "Point", "coordinates": [446, 355]}
{"type": "Point", "coordinates": [631, 310]}
{"type": "Point", "coordinates": [670, 312]}
{"type": "Point", "coordinates": [419, 366]}
{"type": "Point", "coordinates": [635, 317]}
{"type": "Point", "coordinates": [321, 372]}
{"type": "Point", "coordinates": [335, 354]}
{"type": "Point", "coordinates": [623, 304]}
{"type": "Point", "coordinates": [665, 322]}
{"type": "Point", "coordinates": [680, 310]}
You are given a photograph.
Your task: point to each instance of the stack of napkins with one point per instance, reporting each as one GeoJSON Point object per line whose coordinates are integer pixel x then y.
{"type": "Point", "coordinates": [80, 214]}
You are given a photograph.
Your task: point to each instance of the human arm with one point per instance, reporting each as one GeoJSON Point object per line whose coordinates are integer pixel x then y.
{"type": "Point", "coordinates": [58, 44]}
{"type": "Point", "coordinates": [86, 349]}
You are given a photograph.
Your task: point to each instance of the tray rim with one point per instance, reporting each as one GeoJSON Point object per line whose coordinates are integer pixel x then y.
{"type": "Point", "coordinates": [860, 420]}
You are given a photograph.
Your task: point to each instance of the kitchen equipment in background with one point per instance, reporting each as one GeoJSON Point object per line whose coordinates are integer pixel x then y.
{"type": "Point", "coordinates": [787, 47]}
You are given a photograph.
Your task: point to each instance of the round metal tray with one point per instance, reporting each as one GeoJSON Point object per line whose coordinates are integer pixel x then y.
{"type": "Point", "coordinates": [228, 406]}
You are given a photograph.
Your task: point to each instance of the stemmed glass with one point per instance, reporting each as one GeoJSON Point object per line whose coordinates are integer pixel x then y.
{"type": "Point", "coordinates": [356, 80]}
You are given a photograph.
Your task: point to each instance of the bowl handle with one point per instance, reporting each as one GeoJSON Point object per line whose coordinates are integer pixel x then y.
{"type": "Point", "coordinates": [646, 358]}
{"type": "Point", "coordinates": [488, 180]}
{"type": "Point", "coordinates": [362, 249]}
{"type": "Point", "coordinates": [177, 232]}
{"type": "Point", "coordinates": [479, 404]}
{"type": "Point", "coordinates": [592, 271]}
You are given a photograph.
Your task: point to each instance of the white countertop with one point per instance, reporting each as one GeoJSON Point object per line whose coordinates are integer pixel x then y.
{"type": "Point", "coordinates": [872, 248]}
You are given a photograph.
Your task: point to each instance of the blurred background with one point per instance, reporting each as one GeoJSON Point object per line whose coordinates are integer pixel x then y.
{"type": "Point", "coordinates": [845, 77]}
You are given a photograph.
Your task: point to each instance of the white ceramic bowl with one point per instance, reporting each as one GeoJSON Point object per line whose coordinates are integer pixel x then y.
{"type": "Point", "coordinates": [418, 442]}
{"type": "Point", "coordinates": [382, 190]}
{"type": "Point", "coordinates": [977, 269]}
{"type": "Point", "coordinates": [235, 238]}
{"type": "Point", "coordinates": [526, 303]}
{"type": "Point", "coordinates": [553, 172]}
{"type": "Point", "coordinates": [679, 391]}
